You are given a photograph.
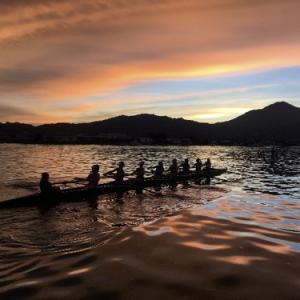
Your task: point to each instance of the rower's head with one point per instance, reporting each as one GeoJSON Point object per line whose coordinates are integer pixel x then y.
{"type": "Point", "coordinates": [45, 176]}
{"type": "Point", "coordinates": [121, 164]}
{"type": "Point", "coordinates": [174, 161]}
{"type": "Point", "coordinates": [198, 160]}
{"type": "Point", "coordinates": [160, 163]}
{"type": "Point", "coordinates": [141, 164]}
{"type": "Point", "coordinates": [95, 168]}
{"type": "Point", "coordinates": [186, 160]}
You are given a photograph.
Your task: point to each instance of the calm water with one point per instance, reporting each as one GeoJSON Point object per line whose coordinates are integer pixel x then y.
{"type": "Point", "coordinates": [255, 191]}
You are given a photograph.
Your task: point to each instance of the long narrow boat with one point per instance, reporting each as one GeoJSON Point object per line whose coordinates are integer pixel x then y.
{"type": "Point", "coordinates": [84, 193]}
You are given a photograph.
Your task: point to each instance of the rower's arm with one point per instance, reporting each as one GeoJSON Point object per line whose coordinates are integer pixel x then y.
{"type": "Point", "coordinates": [80, 179]}
{"type": "Point", "coordinates": [110, 172]}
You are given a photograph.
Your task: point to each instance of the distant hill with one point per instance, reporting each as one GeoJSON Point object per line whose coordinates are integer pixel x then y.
{"type": "Point", "coordinates": [277, 123]}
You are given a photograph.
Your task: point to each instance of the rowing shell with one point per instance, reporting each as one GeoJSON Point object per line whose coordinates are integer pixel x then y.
{"type": "Point", "coordinates": [84, 193]}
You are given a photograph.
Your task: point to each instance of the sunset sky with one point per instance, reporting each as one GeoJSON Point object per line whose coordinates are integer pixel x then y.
{"type": "Point", "coordinates": [86, 60]}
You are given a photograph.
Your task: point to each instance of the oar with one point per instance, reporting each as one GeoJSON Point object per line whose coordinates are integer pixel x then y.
{"type": "Point", "coordinates": [34, 185]}
{"type": "Point", "coordinates": [75, 180]}
{"type": "Point", "coordinates": [78, 179]}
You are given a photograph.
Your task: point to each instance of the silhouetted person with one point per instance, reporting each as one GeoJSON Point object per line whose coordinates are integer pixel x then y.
{"type": "Point", "coordinates": [207, 171]}
{"type": "Point", "coordinates": [159, 170]}
{"type": "Point", "coordinates": [140, 171]}
{"type": "Point", "coordinates": [118, 173]}
{"type": "Point", "coordinates": [45, 185]}
{"type": "Point", "coordinates": [174, 168]}
{"type": "Point", "coordinates": [94, 177]}
{"type": "Point", "coordinates": [207, 164]}
{"type": "Point", "coordinates": [198, 166]}
{"type": "Point", "coordinates": [186, 167]}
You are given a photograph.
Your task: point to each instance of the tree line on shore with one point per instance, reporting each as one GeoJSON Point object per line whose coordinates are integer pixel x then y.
{"type": "Point", "coordinates": [278, 123]}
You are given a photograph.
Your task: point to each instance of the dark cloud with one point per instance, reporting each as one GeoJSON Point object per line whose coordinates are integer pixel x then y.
{"type": "Point", "coordinates": [10, 112]}
{"type": "Point", "coordinates": [22, 78]}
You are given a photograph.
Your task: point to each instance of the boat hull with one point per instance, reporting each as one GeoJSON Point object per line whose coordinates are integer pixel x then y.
{"type": "Point", "coordinates": [84, 194]}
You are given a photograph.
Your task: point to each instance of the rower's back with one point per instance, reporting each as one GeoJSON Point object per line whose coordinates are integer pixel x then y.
{"type": "Point", "coordinates": [120, 174]}
{"type": "Point", "coordinates": [186, 167]}
{"type": "Point", "coordinates": [94, 177]}
{"type": "Point", "coordinates": [208, 164]}
{"type": "Point", "coordinates": [140, 172]}
{"type": "Point", "coordinates": [159, 170]}
{"type": "Point", "coordinates": [198, 166]}
{"type": "Point", "coordinates": [174, 168]}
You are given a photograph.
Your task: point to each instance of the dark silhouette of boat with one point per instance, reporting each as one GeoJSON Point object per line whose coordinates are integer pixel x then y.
{"type": "Point", "coordinates": [85, 193]}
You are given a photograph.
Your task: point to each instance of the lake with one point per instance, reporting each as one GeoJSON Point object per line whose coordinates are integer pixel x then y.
{"type": "Point", "coordinates": [153, 245]}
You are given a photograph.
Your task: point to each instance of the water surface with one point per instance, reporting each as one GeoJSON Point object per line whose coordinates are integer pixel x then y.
{"type": "Point", "coordinates": [259, 194]}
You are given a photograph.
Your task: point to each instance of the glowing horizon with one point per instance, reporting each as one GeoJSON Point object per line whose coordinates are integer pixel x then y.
{"type": "Point", "coordinates": [66, 61]}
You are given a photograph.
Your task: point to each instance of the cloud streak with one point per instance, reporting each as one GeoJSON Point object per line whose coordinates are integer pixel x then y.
{"type": "Point", "coordinates": [56, 51]}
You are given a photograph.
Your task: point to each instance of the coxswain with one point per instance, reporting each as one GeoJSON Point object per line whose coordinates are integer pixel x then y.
{"type": "Point", "coordinates": [46, 186]}
{"type": "Point", "coordinates": [94, 177]}
{"type": "Point", "coordinates": [198, 166]}
{"type": "Point", "coordinates": [159, 170]}
{"type": "Point", "coordinates": [174, 167]}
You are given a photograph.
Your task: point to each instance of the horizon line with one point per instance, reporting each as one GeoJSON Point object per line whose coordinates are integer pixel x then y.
{"type": "Point", "coordinates": [148, 114]}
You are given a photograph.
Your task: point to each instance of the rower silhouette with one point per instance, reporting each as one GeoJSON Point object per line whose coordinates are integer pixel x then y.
{"type": "Point", "coordinates": [185, 167]}
{"type": "Point", "coordinates": [118, 173]}
{"type": "Point", "coordinates": [207, 169]}
{"type": "Point", "coordinates": [198, 169]}
{"type": "Point", "coordinates": [140, 173]}
{"type": "Point", "coordinates": [46, 186]}
{"type": "Point", "coordinates": [94, 177]}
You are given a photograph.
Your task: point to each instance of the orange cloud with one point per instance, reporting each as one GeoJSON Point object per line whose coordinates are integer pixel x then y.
{"type": "Point", "coordinates": [59, 50]}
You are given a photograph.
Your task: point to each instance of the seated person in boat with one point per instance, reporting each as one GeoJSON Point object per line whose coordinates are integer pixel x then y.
{"type": "Point", "coordinates": [207, 164]}
{"type": "Point", "coordinates": [198, 166]}
{"type": "Point", "coordinates": [140, 172]}
{"type": "Point", "coordinates": [185, 167]}
{"type": "Point", "coordinates": [94, 177]}
{"type": "Point", "coordinates": [159, 170]}
{"type": "Point", "coordinates": [46, 186]}
{"type": "Point", "coordinates": [174, 168]}
{"type": "Point", "coordinates": [118, 174]}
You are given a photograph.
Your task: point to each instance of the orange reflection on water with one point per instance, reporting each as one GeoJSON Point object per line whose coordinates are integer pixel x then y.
{"type": "Point", "coordinates": [152, 231]}
{"type": "Point", "coordinates": [240, 260]}
{"type": "Point", "coordinates": [281, 249]}
{"type": "Point", "coordinates": [219, 236]}
{"type": "Point", "coordinates": [204, 246]}
{"type": "Point", "coordinates": [79, 271]}
{"type": "Point", "coordinates": [267, 231]}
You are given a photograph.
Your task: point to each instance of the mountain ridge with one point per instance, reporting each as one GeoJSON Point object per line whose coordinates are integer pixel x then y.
{"type": "Point", "coordinates": [275, 123]}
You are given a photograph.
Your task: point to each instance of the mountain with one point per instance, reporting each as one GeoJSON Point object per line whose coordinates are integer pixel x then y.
{"type": "Point", "coordinates": [279, 122]}
{"type": "Point", "coordinates": [10, 132]}
{"type": "Point", "coordinates": [125, 129]}
{"type": "Point", "coordinates": [276, 123]}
